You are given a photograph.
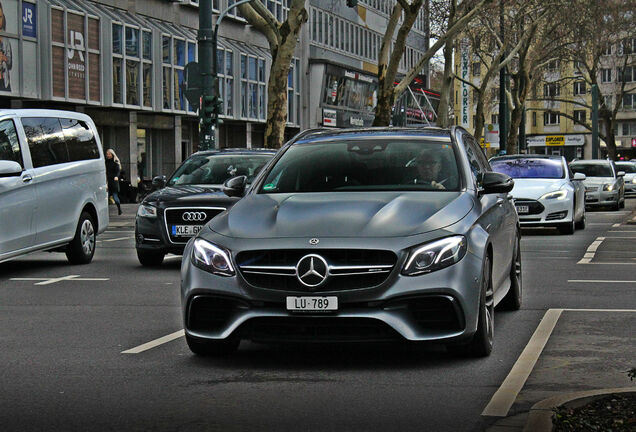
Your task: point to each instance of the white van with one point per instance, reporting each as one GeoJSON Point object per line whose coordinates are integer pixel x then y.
{"type": "Point", "coordinates": [53, 193]}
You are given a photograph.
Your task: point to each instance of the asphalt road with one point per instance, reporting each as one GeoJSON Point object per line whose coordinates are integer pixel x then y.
{"type": "Point", "coordinates": [62, 366]}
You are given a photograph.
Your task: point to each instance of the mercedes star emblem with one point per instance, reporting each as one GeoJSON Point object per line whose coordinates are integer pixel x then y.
{"type": "Point", "coordinates": [312, 271]}
{"type": "Point", "coordinates": [314, 241]}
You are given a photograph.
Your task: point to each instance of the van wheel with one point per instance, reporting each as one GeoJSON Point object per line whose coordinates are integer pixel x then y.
{"type": "Point", "coordinates": [150, 258]}
{"type": "Point", "coordinates": [82, 248]}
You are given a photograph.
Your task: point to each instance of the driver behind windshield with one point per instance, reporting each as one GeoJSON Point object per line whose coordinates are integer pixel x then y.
{"type": "Point", "coordinates": [428, 166]}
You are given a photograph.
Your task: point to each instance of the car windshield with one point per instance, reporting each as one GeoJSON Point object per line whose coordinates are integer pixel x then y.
{"type": "Point", "coordinates": [216, 168]}
{"type": "Point", "coordinates": [529, 168]}
{"type": "Point", "coordinates": [592, 170]}
{"type": "Point", "coordinates": [628, 168]}
{"type": "Point", "coordinates": [371, 164]}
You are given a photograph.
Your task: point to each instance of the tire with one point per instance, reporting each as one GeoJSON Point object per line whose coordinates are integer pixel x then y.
{"type": "Point", "coordinates": [82, 248]}
{"type": "Point", "coordinates": [212, 347]}
{"type": "Point", "coordinates": [581, 223]}
{"type": "Point", "coordinates": [622, 203]}
{"type": "Point", "coordinates": [481, 342]}
{"type": "Point", "coordinates": [150, 258]}
{"type": "Point", "coordinates": [617, 206]}
{"type": "Point", "coordinates": [512, 300]}
{"type": "Point", "coordinates": [568, 227]}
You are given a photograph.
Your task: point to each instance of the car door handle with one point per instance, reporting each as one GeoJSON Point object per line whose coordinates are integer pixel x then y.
{"type": "Point", "coordinates": [26, 178]}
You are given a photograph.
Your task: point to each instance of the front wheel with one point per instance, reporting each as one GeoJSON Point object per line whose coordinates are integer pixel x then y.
{"type": "Point", "coordinates": [512, 300]}
{"type": "Point", "coordinates": [567, 227]}
{"type": "Point", "coordinates": [481, 343]}
{"type": "Point", "coordinates": [82, 248]}
{"type": "Point", "coordinates": [212, 347]}
{"type": "Point", "coordinates": [581, 224]}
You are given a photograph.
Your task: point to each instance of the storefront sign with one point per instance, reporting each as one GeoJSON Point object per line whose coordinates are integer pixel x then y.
{"type": "Point", "coordinates": [465, 92]}
{"type": "Point", "coordinates": [555, 140]}
{"type": "Point", "coordinates": [329, 118]}
{"type": "Point", "coordinates": [29, 20]}
{"type": "Point", "coordinates": [356, 121]}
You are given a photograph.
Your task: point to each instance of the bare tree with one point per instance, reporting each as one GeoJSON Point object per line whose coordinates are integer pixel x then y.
{"type": "Point", "coordinates": [282, 38]}
{"type": "Point", "coordinates": [391, 50]}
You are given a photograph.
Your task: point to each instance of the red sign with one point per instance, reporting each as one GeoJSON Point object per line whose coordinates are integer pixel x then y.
{"type": "Point", "coordinates": [633, 142]}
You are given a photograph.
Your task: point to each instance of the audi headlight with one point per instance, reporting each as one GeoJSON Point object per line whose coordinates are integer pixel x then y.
{"type": "Point", "coordinates": [608, 187]}
{"type": "Point", "coordinates": [211, 258]}
{"type": "Point", "coordinates": [557, 195]}
{"type": "Point", "coordinates": [147, 211]}
{"type": "Point", "coordinates": [435, 255]}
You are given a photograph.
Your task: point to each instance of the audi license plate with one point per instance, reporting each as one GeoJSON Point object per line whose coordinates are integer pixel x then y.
{"type": "Point", "coordinates": [522, 209]}
{"type": "Point", "coordinates": [312, 303]}
{"type": "Point", "coordinates": [185, 230]}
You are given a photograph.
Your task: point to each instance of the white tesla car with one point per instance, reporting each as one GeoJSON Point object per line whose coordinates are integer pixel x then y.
{"type": "Point", "coordinates": [546, 192]}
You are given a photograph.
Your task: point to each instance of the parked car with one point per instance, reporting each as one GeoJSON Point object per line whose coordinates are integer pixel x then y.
{"type": "Point", "coordinates": [359, 235]}
{"type": "Point", "coordinates": [546, 192]}
{"type": "Point", "coordinates": [604, 184]}
{"type": "Point", "coordinates": [629, 168]}
{"type": "Point", "coordinates": [52, 184]}
{"type": "Point", "coordinates": [168, 217]}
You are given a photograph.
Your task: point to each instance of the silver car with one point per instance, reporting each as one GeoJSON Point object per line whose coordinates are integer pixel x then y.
{"type": "Point", "coordinates": [358, 235]}
{"type": "Point", "coordinates": [629, 168]}
{"type": "Point", "coordinates": [604, 183]}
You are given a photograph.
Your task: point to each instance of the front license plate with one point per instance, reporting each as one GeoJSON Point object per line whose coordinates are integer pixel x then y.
{"type": "Point", "coordinates": [185, 230]}
{"type": "Point", "coordinates": [523, 209]}
{"type": "Point", "coordinates": [312, 303]}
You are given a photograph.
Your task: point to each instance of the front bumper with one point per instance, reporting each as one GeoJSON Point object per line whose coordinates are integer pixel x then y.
{"type": "Point", "coordinates": [630, 189]}
{"type": "Point", "coordinates": [439, 306]}
{"type": "Point", "coordinates": [150, 235]}
{"type": "Point", "coordinates": [545, 213]}
{"type": "Point", "coordinates": [599, 198]}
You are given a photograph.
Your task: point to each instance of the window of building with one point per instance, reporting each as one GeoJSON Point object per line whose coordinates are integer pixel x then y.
{"type": "Point", "coordinates": [494, 118]}
{"type": "Point", "coordinates": [534, 118]}
{"type": "Point", "coordinates": [176, 52]}
{"type": "Point", "coordinates": [550, 118]}
{"type": "Point", "coordinates": [579, 67]}
{"type": "Point", "coordinates": [293, 93]}
{"type": "Point", "coordinates": [629, 101]}
{"type": "Point", "coordinates": [626, 74]}
{"type": "Point", "coordinates": [132, 65]}
{"type": "Point", "coordinates": [225, 72]}
{"type": "Point", "coordinates": [551, 90]}
{"type": "Point", "coordinates": [278, 8]}
{"type": "Point", "coordinates": [579, 116]}
{"type": "Point", "coordinates": [253, 97]}
{"type": "Point", "coordinates": [553, 66]}
{"type": "Point", "coordinates": [607, 50]}
{"type": "Point", "coordinates": [606, 75]}
{"type": "Point", "coordinates": [579, 88]}
{"type": "Point", "coordinates": [476, 69]}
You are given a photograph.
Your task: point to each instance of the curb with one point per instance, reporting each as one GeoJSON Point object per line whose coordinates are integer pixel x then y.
{"type": "Point", "coordinates": [540, 418]}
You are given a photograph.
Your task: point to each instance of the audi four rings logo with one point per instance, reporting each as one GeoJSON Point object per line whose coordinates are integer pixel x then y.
{"type": "Point", "coordinates": [312, 270]}
{"type": "Point", "coordinates": [194, 216]}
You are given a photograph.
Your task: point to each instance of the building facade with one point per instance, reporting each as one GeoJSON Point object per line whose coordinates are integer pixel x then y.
{"type": "Point", "coordinates": [122, 62]}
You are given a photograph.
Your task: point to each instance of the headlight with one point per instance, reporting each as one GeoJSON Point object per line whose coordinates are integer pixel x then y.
{"type": "Point", "coordinates": [634, 180]}
{"type": "Point", "coordinates": [211, 258]}
{"type": "Point", "coordinates": [558, 195]}
{"type": "Point", "coordinates": [435, 255]}
{"type": "Point", "coordinates": [608, 187]}
{"type": "Point", "coordinates": [146, 210]}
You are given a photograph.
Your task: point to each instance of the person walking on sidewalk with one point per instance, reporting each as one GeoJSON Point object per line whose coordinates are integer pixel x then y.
{"type": "Point", "coordinates": [113, 170]}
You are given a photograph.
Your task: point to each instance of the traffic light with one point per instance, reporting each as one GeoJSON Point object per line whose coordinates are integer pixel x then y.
{"type": "Point", "coordinates": [211, 106]}
{"type": "Point", "coordinates": [352, 3]}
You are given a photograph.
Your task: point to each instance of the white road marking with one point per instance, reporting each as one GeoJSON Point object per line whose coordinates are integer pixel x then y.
{"type": "Point", "coordinates": [173, 257]}
{"type": "Point", "coordinates": [591, 250]}
{"type": "Point", "coordinates": [154, 343]}
{"type": "Point", "coordinates": [117, 239]}
{"type": "Point", "coordinates": [48, 281]}
{"type": "Point", "coordinates": [505, 396]}
{"type": "Point", "coordinates": [507, 393]}
{"type": "Point", "coordinates": [616, 225]}
{"type": "Point", "coordinates": [599, 281]}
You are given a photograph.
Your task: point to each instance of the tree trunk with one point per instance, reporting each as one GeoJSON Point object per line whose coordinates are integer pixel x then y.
{"type": "Point", "coordinates": [383, 109]}
{"type": "Point", "coordinates": [276, 105]}
{"type": "Point", "coordinates": [443, 119]}
{"type": "Point", "coordinates": [512, 146]}
{"type": "Point", "coordinates": [479, 120]}
{"type": "Point", "coordinates": [610, 141]}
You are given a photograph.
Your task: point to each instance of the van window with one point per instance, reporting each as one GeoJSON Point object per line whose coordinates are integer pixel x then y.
{"type": "Point", "coordinates": [46, 141]}
{"type": "Point", "coordinates": [80, 140]}
{"type": "Point", "coordinates": [9, 144]}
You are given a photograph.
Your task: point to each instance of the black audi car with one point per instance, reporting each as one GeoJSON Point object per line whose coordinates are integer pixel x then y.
{"type": "Point", "coordinates": [192, 196]}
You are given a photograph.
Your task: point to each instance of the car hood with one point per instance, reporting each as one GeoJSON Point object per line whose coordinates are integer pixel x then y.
{"type": "Point", "coordinates": [535, 188]}
{"type": "Point", "coordinates": [190, 194]}
{"type": "Point", "coordinates": [595, 181]}
{"type": "Point", "coordinates": [342, 214]}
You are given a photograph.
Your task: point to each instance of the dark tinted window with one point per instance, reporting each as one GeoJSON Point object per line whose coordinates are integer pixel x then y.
{"type": "Point", "coordinates": [529, 168]}
{"type": "Point", "coordinates": [365, 165]}
{"type": "Point", "coordinates": [216, 168]}
{"type": "Point", "coordinates": [602, 169]}
{"type": "Point", "coordinates": [9, 144]}
{"type": "Point", "coordinates": [46, 141]}
{"type": "Point", "coordinates": [627, 167]}
{"type": "Point", "coordinates": [476, 159]}
{"type": "Point", "coordinates": [80, 140]}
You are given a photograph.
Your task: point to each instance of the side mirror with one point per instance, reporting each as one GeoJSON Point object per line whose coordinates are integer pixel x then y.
{"type": "Point", "coordinates": [10, 168]}
{"type": "Point", "coordinates": [620, 174]}
{"type": "Point", "coordinates": [235, 187]}
{"type": "Point", "coordinates": [494, 182]}
{"type": "Point", "coordinates": [579, 176]}
{"type": "Point", "coordinates": [158, 182]}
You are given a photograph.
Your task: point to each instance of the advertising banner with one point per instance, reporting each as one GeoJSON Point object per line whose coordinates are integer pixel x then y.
{"type": "Point", "coordinates": [464, 115]}
{"type": "Point", "coordinates": [29, 20]}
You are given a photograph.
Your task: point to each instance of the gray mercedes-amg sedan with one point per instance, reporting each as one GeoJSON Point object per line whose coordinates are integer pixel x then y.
{"type": "Point", "coordinates": [379, 234]}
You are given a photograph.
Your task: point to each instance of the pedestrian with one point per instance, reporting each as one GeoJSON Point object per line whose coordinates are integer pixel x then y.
{"type": "Point", "coordinates": [113, 170]}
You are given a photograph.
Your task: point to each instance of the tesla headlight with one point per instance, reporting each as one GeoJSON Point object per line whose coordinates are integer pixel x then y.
{"type": "Point", "coordinates": [147, 211]}
{"type": "Point", "coordinates": [435, 255]}
{"type": "Point", "coordinates": [211, 258]}
{"type": "Point", "coordinates": [608, 187]}
{"type": "Point", "coordinates": [557, 195]}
